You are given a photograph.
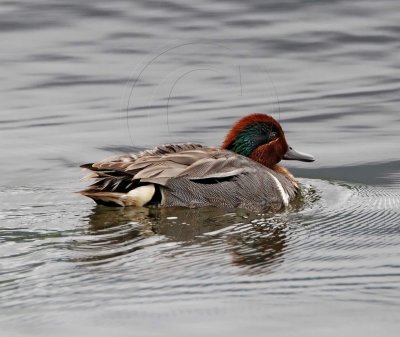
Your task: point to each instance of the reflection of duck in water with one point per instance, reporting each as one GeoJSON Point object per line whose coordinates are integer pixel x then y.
{"type": "Point", "coordinates": [243, 173]}
{"type": "Point", "coordinates": [252, 241]}
{"type": "Point", "coordinates": [177, 224]}
{"type": "Point", "coordinates": [260, 248]}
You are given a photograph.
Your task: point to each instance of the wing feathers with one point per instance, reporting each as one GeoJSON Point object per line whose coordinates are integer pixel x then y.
{"type": "Point", "coordinates": [163, 163]}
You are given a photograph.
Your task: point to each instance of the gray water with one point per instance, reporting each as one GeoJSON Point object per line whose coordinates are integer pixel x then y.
{"type": "Point", "coordinates": [83, 80]}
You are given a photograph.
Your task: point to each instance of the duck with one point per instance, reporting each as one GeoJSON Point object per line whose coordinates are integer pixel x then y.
{"type": "Point", "coordinates": [242, 173]}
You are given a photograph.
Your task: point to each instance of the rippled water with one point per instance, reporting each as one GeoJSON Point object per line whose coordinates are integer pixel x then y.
{"type": "Point", "coordinates": [82, 80]}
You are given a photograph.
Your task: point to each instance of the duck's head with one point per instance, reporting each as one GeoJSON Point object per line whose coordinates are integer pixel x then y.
{"type": "Point", "coordinates": [261, 138]}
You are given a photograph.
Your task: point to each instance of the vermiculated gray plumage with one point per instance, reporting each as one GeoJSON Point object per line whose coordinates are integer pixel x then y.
{"type": "Point", "coordinates": [192, 175]}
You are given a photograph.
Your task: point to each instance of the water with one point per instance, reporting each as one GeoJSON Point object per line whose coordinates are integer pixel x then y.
{"type": "Point", "coordinates": [82, 80]}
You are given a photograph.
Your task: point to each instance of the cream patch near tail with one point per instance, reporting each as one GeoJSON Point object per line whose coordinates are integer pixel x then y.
{"type": "Point", "coordinates": [137, 197]}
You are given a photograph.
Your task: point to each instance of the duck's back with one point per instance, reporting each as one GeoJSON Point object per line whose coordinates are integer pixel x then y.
{"type": "Point", "coordinates": [189, 175]}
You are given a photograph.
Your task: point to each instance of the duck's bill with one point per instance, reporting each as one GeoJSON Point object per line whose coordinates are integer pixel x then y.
{"type": "Point", "coordinates": [295, 155]}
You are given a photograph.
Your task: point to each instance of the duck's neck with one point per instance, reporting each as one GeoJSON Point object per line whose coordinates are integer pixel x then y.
{"type": "Point", "coordinates": [284, 171]}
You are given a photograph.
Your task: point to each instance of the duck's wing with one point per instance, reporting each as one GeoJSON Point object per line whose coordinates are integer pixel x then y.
{"type": "Point", "coordinates": [133, 179]}
{"type": "Point", "coordinates": [158, 165]}
{"type": "Point", "coordinates": [221, 164]}
{"type": "Point", "coordinates": [132, 163]}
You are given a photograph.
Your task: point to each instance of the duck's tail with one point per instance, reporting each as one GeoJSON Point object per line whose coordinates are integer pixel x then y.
{"type": "Point", "coordinates": [139, 196]}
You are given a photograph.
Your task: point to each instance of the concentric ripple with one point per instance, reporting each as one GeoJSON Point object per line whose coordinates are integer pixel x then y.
{"type": "Point", "coordinates": [339, 239]}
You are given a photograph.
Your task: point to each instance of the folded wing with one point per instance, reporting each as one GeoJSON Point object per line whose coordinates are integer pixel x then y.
{"type": "Point", "coordinates": [193, 161]}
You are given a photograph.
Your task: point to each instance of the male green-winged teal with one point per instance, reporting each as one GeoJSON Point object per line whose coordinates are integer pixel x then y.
{"type": "Point", "coordinates": [243, 173]}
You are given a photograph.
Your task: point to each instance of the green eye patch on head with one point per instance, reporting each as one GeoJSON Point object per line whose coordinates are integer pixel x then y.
{"type": "Point", "coordinates": [253, 136]}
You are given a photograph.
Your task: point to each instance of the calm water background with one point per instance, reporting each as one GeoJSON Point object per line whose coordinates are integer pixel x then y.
{"type": "Point", "coordinates": [82, 80]}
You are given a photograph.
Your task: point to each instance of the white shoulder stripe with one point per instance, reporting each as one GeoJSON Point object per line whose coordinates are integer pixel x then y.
{"type": "Point", "coordinates": [284, 195]}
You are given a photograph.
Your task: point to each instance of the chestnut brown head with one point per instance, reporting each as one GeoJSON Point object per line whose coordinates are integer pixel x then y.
{"type": "Point", "coordinates": [261, 138]}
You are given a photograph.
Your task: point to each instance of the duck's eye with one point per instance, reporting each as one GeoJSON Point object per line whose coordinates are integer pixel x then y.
{"type": "Point", "coordinates": [273, 135]}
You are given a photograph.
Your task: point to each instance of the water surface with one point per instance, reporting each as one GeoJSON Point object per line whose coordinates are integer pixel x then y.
{"type": "Point", "coordinates": [82, 80]}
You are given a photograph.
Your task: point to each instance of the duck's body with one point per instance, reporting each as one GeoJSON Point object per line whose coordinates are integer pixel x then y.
{"type": "Point", "coordinates": [192, 175]}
